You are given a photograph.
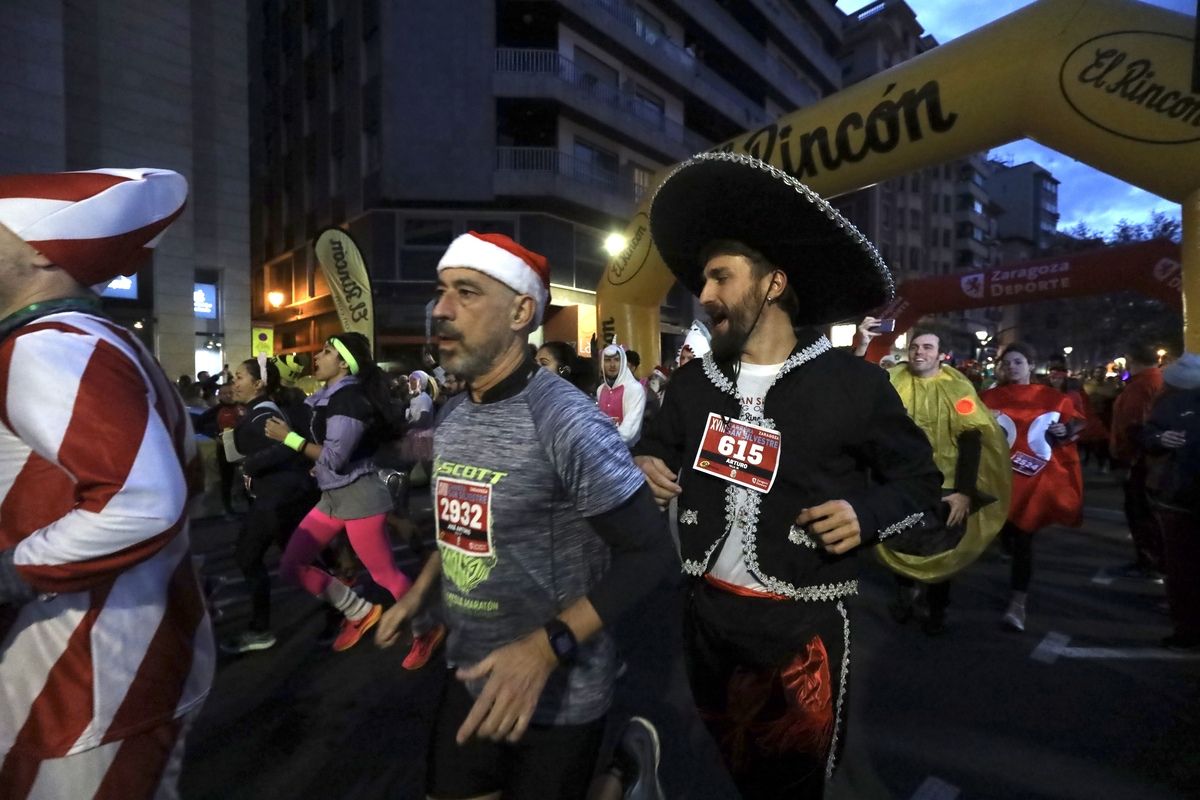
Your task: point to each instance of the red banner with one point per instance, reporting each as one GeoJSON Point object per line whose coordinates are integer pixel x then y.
{"type": "Point", "coordinates": [1150, 268]}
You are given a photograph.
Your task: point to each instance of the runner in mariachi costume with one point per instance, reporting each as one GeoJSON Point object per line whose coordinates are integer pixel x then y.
{"type": "Point", "coordinates": [786, 456]}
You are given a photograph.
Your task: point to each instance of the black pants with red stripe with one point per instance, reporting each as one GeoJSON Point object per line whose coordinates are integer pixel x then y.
{"type": "Point", "coordinates": [767, 679]}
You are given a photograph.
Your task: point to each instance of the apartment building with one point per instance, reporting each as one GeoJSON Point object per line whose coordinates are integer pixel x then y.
{"type": "Point", "coordinates": [411, 123]}
{"type": "Point", "coordinates": [146, 84]}
{"type": "Point", "coordinates": [935, 221]}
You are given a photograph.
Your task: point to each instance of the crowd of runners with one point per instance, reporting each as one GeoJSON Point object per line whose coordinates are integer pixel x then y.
{"type": "Point", "coordinates": [743, 482]}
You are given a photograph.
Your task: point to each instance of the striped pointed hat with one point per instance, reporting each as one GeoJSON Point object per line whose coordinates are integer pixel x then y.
{"type": "Point", "coordinates": [97, 224]}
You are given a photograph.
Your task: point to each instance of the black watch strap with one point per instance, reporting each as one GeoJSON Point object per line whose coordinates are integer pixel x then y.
{"type": "Point", "coordinates": [562, 641]}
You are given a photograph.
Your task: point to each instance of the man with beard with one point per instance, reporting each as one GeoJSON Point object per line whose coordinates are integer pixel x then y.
{"type": "Point", "coordinates": [546, 532]}
{"type": "Point", "coordinates": [787, 457]}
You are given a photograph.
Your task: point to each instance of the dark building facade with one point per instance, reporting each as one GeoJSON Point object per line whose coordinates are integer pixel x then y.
{"type": "Point", "coordinates": [411, 123]}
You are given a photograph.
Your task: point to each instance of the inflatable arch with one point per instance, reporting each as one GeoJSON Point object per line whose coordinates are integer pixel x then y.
{"type": "Point", "coordinates": [1105, 81]}
{"type": "Point", "coordinates": [1150, 268]}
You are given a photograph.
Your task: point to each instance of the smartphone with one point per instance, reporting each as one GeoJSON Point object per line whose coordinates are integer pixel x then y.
{"type": "Point", "coordinates": [883, 326]}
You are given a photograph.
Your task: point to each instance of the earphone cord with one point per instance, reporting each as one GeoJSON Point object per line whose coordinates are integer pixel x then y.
{"type": "Point", "coordinates": [737, 365]}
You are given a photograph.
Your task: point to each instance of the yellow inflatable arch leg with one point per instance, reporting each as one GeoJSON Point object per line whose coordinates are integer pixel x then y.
{"type": "Point", "coordinates": [1105, 81]}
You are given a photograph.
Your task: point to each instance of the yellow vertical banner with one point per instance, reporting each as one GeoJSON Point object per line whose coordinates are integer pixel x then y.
{"type": "Point", "coordinates": [346, 273]}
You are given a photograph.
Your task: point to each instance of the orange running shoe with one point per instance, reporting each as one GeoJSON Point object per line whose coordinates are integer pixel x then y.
{"type": "Point", "coordinates": [352, 631]}
{"type": "Point", "coordinates": [423, 647]}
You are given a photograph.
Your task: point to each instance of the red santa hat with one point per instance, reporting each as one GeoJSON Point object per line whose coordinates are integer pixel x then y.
{"type": "Point", "coordinates": [499, 257]}
{"type": "Point", "coordinates": [96, 224]}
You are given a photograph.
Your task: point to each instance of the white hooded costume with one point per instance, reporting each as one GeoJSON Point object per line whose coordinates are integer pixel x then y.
{"type": "Point", "coordinates": [622, 399]}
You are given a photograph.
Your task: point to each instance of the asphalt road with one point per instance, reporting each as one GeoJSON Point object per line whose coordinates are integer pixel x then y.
{"type": "Point", "coordinates": [1082, 705]}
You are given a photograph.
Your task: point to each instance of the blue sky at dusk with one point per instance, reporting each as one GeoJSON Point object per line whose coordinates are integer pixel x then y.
{"type": "Point", "coordinates": [1085, 194]}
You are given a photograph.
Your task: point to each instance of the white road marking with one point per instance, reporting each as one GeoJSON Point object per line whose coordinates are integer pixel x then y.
{"type": "Point", "coordinates": [1055, 646]}
{"type": "Point", "coordinates": [1102, 577]}
{"type": "Point", "coordinates": [934, 788]}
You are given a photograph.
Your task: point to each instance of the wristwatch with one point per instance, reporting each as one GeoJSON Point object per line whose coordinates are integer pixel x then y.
{"type": "Point", "coordinates": [562, 641]}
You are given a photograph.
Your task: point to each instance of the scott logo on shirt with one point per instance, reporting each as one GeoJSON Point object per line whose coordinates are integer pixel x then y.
{"type": "Point", "coordinates": [468, 472]}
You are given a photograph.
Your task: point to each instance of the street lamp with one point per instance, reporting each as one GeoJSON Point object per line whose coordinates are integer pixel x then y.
{"type": "Point", "coordinates": [614, 243]}
{"type": "Point", "coordinates": [1068, 350]}
{"type": "Point", "coordinates": [982, 336]}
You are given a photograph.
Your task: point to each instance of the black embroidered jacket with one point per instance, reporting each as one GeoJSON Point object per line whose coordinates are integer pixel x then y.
{"type": "Point", "coordinates": [845, 436]}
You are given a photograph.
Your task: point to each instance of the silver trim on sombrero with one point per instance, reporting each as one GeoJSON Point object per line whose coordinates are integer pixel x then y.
{"type": "Point", "coordinates": [808, 194]}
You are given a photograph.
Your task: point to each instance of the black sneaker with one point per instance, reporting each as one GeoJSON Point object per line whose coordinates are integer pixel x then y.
{"type": "Point", "coordinates": [637, 760]}
{"type": "Point", "coordinates": [248, 642]}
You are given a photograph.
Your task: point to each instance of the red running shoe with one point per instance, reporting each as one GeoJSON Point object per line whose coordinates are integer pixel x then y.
{"type": "Point", "coordinates": [352, 631]}
{"type": "Point", "coordinates": [423, 647]}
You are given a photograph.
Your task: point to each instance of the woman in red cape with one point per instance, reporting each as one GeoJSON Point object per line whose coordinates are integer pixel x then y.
{"type": "Point", "coordinates": [1041, 423]}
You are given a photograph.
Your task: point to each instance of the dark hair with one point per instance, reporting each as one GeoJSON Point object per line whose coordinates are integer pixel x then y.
{"type": "Point", "coordinates": [915, 333]}
{"type": "Point", "coordinates": [271, 379]}
{"type": "Point", "coordinates": [1143, 353]}
{"type": "Point", "coordinates": [374, 382]}
{"type": "Point", "coordinates": [633, 358]}
{"type": "Point", "coordinates": [1022, 348]}
{"type": "Point", "coordinates": [760, 267]}
{"type": "Point", "coordinates": [563, 353]}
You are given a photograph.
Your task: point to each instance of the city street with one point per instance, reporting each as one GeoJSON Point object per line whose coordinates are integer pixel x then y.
{"type": "Point", "coordinates": [1082, 705]}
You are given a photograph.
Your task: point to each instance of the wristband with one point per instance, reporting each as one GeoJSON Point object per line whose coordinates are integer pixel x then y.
{"type": "Point", "coordinates": [295, 441]}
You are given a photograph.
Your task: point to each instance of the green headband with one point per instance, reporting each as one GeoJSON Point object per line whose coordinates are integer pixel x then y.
{"type": "Point", "coordinates": [344, 352]}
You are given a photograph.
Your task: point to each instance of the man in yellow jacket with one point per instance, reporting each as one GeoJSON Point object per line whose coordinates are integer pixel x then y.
{"type": "Point", "coordinates": [971, 451]}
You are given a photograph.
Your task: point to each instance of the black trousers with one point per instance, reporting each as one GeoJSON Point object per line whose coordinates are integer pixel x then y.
{"type": "Point", "coordinates": [768, 678]}
{"type": "Point", "coordinates": [264, 526]}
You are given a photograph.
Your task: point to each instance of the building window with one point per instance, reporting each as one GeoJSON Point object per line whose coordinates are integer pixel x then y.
{"type": "Point", "coordinates": [428, 232]}
{"type": "Point", "coordinates": [648, 105]}
{"type": "Point", "coordinates": [506, 226]}
{"type": "Point", "coordinates": [594, 72]}
{"type": "Point", "coordinates": [914, 258]}
{"type": "Point", "coordinates": [641, 180]}
{"type": "Point", "coordinates": [945, 237]}
{"type": "Point", "coordinates": [914, 219]}
{"type": "Point", "coordinates": [946, 204]}
{"type": "Point", "coordinates": [648, 26]}
{"type": "Point", "coordinates": [594, 164]}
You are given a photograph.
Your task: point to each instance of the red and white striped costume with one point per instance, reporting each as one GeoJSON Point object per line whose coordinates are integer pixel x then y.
{"type": "Point", "coordinates": [95, 453]}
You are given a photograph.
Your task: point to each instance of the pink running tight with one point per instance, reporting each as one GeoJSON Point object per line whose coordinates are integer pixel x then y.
{"type": "Point", "coordinates": [368, 537]}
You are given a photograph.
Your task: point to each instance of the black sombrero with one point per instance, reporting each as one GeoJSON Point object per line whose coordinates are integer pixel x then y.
{"type": "Point", "coordinates": [836, 272]}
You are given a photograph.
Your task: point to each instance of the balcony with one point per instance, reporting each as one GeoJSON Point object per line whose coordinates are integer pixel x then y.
{"type": "Point", "coordinates": [804, 37]}
{"type": "Point", "coordinates": [620, 21]}
{"type": "Point", "coordinates": [547, 172]}
{"type": "Point", "coordinates": [523, 72]}
{"type": "Point", "coordinates": [721, 24]}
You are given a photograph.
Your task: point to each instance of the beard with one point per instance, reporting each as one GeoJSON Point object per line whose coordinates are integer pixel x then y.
{"type": "Point", "coordinates": [468, 361]}
{"type": "Point", "coordinates": [740, 318]}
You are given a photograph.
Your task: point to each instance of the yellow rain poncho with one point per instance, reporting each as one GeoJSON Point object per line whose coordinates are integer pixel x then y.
{"type": "Point", "coordinates": [945, 406]}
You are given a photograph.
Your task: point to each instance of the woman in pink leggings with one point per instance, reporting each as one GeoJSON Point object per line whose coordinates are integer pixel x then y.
{"type": "Point", "coordinates": [350, 418]}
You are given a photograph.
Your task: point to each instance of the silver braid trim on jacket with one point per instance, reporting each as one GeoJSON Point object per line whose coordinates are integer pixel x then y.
{"type": "Point", "coordinates": [797, 535]}
{"type": "Point", "coordinates": [742, 505]}
{"type": "Point", "coordinates": [902, 525]}
{"type": "Point", "coordinates": [796, 359]}
{"type": "Point", "coordinates": [842, 681]}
